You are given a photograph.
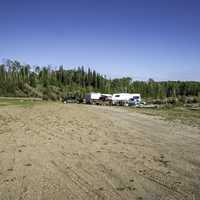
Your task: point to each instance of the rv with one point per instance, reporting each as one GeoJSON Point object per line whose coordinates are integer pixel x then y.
{"type": "Point", "coordinates": [90, 98]}
{"type": "Point", "coordinates": [124, 98]}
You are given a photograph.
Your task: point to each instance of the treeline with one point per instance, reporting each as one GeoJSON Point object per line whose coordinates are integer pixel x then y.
{"type": "Point", "coordinates": [24, 80]}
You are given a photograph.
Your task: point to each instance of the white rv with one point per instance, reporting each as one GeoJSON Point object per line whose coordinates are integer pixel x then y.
{"type": "Point", "coordinates": [90, 97]}
{"type": "Point", "coordinates": [124, 98]}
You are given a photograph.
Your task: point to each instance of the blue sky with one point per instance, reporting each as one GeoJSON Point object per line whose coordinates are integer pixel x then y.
{"type": "Point", "coordinates": [137, 38]}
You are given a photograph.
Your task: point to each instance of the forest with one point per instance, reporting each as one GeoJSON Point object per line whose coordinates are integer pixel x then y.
{"type": "Point", "coordinates": [24, 80]}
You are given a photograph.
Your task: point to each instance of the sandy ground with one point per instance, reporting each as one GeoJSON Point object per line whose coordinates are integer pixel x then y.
{"type": "Point", "coordinates": [55, 151]}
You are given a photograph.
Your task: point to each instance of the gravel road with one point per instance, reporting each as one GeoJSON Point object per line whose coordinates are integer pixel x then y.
{"type": "Point", "coordinates": [54, 151]}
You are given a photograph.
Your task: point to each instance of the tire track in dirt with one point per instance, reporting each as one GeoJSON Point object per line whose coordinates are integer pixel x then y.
{"type": "Point", "coordinates": [89, 152]}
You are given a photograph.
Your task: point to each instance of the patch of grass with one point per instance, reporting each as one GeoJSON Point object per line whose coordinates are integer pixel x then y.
{"type": "Point", "coordinates": [183, 114]}
{"type": "Point", "coordinates": [17, 102]}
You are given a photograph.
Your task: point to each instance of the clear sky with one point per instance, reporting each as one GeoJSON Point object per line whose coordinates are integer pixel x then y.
{"type": "Point", "coordinates": [137, 38]}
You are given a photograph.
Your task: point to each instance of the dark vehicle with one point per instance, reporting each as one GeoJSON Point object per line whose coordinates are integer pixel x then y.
{"type": "Point", "coordinates": [104, 100]}
{"type": "Point", "coordinates": [70, 100]}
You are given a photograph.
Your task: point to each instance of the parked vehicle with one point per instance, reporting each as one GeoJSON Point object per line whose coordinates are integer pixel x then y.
{"type": "Point", "coordinates": [135, 100]}
{"type": "Point", "coordinates": [90, 98]}
{"type": "Point", "coordinates": [70, 99]}
{"type": "Point", "coordinates": [106, 97]}
{"type": "Point", "coordinates": [125, 98]}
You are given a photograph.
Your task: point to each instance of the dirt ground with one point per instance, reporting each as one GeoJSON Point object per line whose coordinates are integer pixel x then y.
{"type": "Point", "coordinates": [55, 152]}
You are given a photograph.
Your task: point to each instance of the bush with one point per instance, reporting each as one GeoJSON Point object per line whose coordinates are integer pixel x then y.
{"type": "Point", "coordinates": [49, 94]}
{"type": "Point", "coordinates": [45, 98]}
{"type": "Point", "coordinates": [172, 100]}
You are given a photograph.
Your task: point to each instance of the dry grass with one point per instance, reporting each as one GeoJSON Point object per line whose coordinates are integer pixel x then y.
{"type": "Point", "coordinates": [12, 101]}
{"type": "Point", "coordinates": [182, 114]}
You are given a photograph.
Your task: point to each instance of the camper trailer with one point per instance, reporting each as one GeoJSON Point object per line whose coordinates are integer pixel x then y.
{"type": "Point", "coordinates": [124, 98]}
{"type": "Point", "coordinates": [90, 98]}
